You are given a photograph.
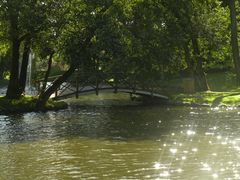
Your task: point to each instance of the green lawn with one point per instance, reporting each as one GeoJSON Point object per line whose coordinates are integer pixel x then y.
{"type": "Point", "coordinates": [209, 98]}
{"type": "Point", "coordinates": [223, 92]}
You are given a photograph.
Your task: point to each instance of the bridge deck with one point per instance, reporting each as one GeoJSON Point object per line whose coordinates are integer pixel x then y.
{"type": "Point", "coordinates": [106, 88]}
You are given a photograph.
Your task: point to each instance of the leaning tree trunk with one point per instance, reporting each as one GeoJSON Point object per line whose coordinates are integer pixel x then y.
{"type": "Point", "coordinates": [46, 75]}
{"type": "Point", "coordinates": [13, 86]}
{"type": "Point", "coordinates": [200, 81]}
{"type": "Point", "coordinates": [42, 100]}
{"type": "Point", "coordinates": [23, 73]}
{"type": "Point", "coordinates": [53, 88]}
{"type": "Point", "coordinates": [234, 40]}
{"type": "Point", "coordinates": [1, 69]}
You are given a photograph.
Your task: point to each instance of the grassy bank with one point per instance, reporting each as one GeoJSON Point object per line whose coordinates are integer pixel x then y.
{"type": "Point", "coordinates": [224, 91]}
{"type": "Point", "coordinates": [27, 104]}
{"type": "Point", "coordinates": [209, 98]}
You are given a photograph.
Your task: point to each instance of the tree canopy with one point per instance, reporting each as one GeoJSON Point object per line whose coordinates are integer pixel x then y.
{"type": "Point", "coordinates": [148, 39]}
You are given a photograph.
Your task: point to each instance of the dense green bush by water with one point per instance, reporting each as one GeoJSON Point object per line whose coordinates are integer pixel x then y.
{"type": "Point", "coordinates": [27, 104]}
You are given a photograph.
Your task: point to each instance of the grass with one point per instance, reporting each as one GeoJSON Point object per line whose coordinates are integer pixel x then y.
{"type": "Point", "coordinates": [223, 92]}
{"type": "Point", "coordinates": [232, 100]}
{"type": "Point", "coordinates": [26, 104]}
{"type": "Point", "coordinates": [221, 81]}
{"type": "Point", "coordinates": [209, 98]}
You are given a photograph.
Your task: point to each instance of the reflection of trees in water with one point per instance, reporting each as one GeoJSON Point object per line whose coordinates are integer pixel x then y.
{"type": "Point", "coordinates": [30, 127]}
{"type": "Point", "coordinates": [134, 122]}
{"type": "Point", "coordinates": [138, 122]}
{"type": "Point", "coordinates": [13, 129]}
{"type": "Point", "coordinates": [97, 122]}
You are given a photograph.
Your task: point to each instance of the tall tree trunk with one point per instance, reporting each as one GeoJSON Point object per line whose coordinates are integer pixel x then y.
{"type": "Point", "coordinates": [53, 88]}
{"type": "Point", "coordinates": [46, 75]}
{"type": "Point", "coordinates": [23, 73]}
{"type": "Point", "coordinates": [13, 86]}
{"type": "Point", "coordinates": [188, 60]}
{"type": "Point", "coordinates": [200, 80]}
{"type": "Point", "coordinates": [1, 69]}
{"type": "Point", "coordinates": [234, 40]}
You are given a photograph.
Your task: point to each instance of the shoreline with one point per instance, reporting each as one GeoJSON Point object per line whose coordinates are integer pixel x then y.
{"type": "Point", "coordinates": [28, 104]}
{"type": "Point", "coordinates": [207, 99]}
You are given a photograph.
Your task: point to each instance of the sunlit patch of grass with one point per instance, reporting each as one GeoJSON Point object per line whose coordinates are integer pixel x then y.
{"type": "Point", "coordinates": [210, 98]}
{"type": "Point", "coordinates": [231, 100]}
{"type": "Point", "coordinates": [54, 105]}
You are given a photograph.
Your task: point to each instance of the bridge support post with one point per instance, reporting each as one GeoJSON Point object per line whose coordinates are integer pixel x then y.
{"type": "Point", "coordinates": [97, 76]}
{"type": "Point", "coordinates": [151, 92]}
{"type": "Point", "coordinates": [56, 93]}
{"type": "Point", "coordinates": [38, 86]}
{"type": "Point", "coordinates": [131, 97]}
{"type": "Point", "coordinates": [77, 84]}
{"type": "Point", "coordinates": [116, 85]}
{"type": "Point", "coordinates": [97, 86]}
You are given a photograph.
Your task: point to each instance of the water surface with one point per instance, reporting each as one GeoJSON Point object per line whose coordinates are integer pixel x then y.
{"type": "Point", "coordinates": [121, 142]}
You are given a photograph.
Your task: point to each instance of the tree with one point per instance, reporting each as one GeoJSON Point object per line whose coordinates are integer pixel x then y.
{"type": "Point", "coordinates": [143, 39]}
{"type": "Point", "coordinates": [77, 36]}
{"type": "Point", "coordinates": [24, 19]}
{"type": "Point", "coordinates": [234, 40]}
{"type": "Point", "coordinates": [133, 35]}
{"type": "Point", "coordinates": [96, 33]}
{"type": "Point", "coordinates": [190, 21]}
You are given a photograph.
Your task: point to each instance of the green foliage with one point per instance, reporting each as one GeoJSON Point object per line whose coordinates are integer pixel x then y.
{"type": "Point", "coordinates": [6, 75]}
{"type": "Point", "coordinates": [143, 39]}
{"type": "Point", "coordinates": [145, 35]}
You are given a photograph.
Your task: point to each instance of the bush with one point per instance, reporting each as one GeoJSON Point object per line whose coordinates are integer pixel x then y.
{"type": "Point", "coordinates": [27, 104]}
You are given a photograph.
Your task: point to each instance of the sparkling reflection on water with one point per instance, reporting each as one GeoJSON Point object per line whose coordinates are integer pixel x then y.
{"type": "Point", "coordinates": [140, 142]}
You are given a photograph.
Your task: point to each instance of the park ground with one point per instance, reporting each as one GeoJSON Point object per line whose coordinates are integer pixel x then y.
{"type": "Point", "coordinates": [223, 93]}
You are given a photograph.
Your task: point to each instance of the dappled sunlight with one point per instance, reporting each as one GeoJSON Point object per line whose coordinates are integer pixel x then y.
{"type": "Point", "coordinates": [209, 158]}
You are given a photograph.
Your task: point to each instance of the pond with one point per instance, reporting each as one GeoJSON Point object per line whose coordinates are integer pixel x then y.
{"type": "Point", "coordinates": [121, 142]}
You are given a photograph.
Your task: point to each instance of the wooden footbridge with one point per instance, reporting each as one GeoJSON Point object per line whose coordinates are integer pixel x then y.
{"type": "Point", "coordinates": [87, 83]}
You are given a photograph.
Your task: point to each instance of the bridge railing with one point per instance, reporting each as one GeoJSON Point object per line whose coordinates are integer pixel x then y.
{"type": "Point", "coordinates": [79, 81]}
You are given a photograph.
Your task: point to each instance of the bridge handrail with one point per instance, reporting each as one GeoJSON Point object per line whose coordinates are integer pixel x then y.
{"type": "Point", "coordinates": [79, 80]}
{"type": "Point", "coordinates": [49, 78]}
